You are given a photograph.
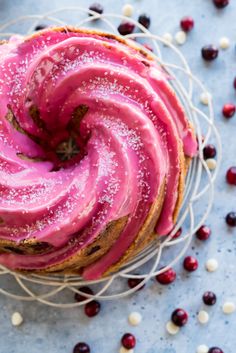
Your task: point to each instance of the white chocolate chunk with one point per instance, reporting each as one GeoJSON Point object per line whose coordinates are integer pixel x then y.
{"type": "Point", "coordinates": [203, 317]}
{"type": "Point", "coordinates": [211, 163]}
{"type": "Point", "coordinates": [205, 98]}
{"type": "Point", "coordinates": [202, 349]}
{"type": "Point", "coordinates": [180, 37]}
{"type": "Point", "coordinates": [135, 318]}
{"type": "Point", "coordinates": [168, 37]}
{"type": "Point", "coordinates": [127, 10]}
{"type": "Point", "coordinates": [224, 43]}
{"type": "Point", "coordinates": [212, 265]}
{"type": "Point", "coordinates": [171, 328]}
{"type": "Point", "coordinates": [16, 319]}
{"type": "Point", "coordinates": [228, 308]}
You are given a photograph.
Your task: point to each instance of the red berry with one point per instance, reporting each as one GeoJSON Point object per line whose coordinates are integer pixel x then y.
{"type": "Point", "coordinates": [209, 298]}
{"type": "Point", "coordinates": [126, 28]}
{"type": "Point", "coordinates": [215, 350]}
{"type": "Point", "coordinates": [133, 282]}
{"type": "Point", "coordinates": [166, 277]}
{"type": "Point", "coordinates": [209, 52]}
{"type": "Point", "coordinates": [209, 151]}
{"type": "Point", "coordinates": [144, 20]}
{"type": "Point", "coordinates": [92, 308]}
{"type": "Point", "coordinates": [179, 317]}
{"type": "Point", "coordinates": [228, 110]}
{"type": "Point", "coordinates": [221, 3]}
{"type": "Point", "coordinates": [79, 297]}
{"type": "Point", "coordinates": [96, 7]}
{"type": "Point", "coordinates": [203, 233]}
{"type": "Point", "coordinates": [231, 219]}
{"type": "Point", "coordinates": [190, 263]}
{"type": "Point", "coordinates": [187, 23]}
{"type": "Point", "coordinates": [231, 176]}
{"type": "Point", "coordinates": [128, 341]}
{"type": "Point", "coordinates": [177, 234]}
{"type": "Point", "coordinates": [81, 347]}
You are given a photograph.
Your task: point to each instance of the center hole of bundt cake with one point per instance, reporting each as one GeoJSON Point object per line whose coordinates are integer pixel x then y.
{"type": "Point", "coordinates": [62, 145]}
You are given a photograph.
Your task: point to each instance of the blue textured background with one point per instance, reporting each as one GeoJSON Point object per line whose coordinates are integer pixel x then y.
{"type": "Point", "coordinates": [55, 331]}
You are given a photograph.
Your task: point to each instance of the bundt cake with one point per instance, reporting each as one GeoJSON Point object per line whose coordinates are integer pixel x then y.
{"type": "Point", "coordinates": [94, 149]}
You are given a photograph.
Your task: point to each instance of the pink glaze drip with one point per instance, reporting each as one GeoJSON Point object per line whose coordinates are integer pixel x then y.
{"type": "Point", "coordinates": [131, 136]}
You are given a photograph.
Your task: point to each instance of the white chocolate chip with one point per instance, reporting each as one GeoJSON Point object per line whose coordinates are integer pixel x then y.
{"type": "Point", "coordinates": [180, 37]}
{"type": "Point", "coordinates": [202, 349]}
{"type": "Point", "coordinates": [168, 37]}
{"type": "Point", "coordinates": [212, 265]}
{"type": "Point", "coordinates": [171, 328]}
{"type": "Point", "coordinates": [224, 43]}
{"type": "Point", "coordinates": [16, 319]}
{"type": "Point", "coordinates": [124, 350]}
{"type": "Point", "coordinates": [203, 317]}
{"type": "Point", "coordinates": [127, 10]}
{"type": "Point", "coordinates": [135, 318]}
{"type": "Point", "coordinates": [211, 163]}
{"type": "Point", "coordinates": [205, 98]}
{"type": "Point", "coordinates": [228, 307]}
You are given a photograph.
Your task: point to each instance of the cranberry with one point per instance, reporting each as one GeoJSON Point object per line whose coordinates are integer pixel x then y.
{"type": "Point", "coordinates": [209, 298]}
{"type": "Point", "coordinates": [134, 282]}
{"type": "Point", "coordinates": [144, 20]}
{"type": "Point", "coordinates": [231, 176]}
{"type": "Point", "coordinates": [209, 52]}
{"type": "Point", "coordinates": [177, 234]}
{"type": "Point", "coordinates": [187, 23]}
{"type": "Point", "coordinates": [40, 27]}
{"type": "Point", "coordinates": [79, 297]}
{"type": "Point", "coordinates": [190, 263]}
{"type": "Point", "coordinates": [179, 317]}
{"type": "Point", "coordinates": [203, 233]}
{"type": "Point", "coordinates": [221, 3]}
{"type": "Point", "coordinates": [215, 350]}
{"type": "Point", "coordinates": [126, 28]}
{"type": "Point", "coordinates": [234, 83]}
{"type": "Point", "coordinates": [81, 347]}
{"type": "Point", "coordinates": [166, 277]}
{"type": "Point", "coordinates": [128, 341]}
{"type": "Point", "coordinates": [209, 151]}
{"type": "Point", "coordinates": [92, 308]}
{"type": "Point", "coordinates": [96, 7]}
{"type": "Point", "coordinates": [231, 219]}
{"type": "Point", "coordinates": [228, 110]}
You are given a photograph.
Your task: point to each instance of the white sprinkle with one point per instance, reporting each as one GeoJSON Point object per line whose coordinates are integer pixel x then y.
{"type": "Point", "coordinates": [211, 163]}
{"type": "Point", "coordinates": [224, 43]}
{"type": "Point", "coordinates": [212, 265]}
{"type": "Point", "coordinates": [135, 318]}
{"type": "Point", "coordinates": [180, 37]}
{"type": "Point", "coordinates": [205, 98]}
{"type": "Point", "coordinates": [16, 319]}
{"type": "Point", "coordinates": [202, 349]}
{"type": "Point", "coordinates": [127, 10]}
{"type": "Point", "coordinates": [168, 37]}
{"type": "Point", "coordinates": [203, 317]}
{"type": "Point", "coordinates": [228, 307]}
{"type": "Point", "coordinates": [124, 350]}
{"type": "Point", "coordinates": [171, 328]}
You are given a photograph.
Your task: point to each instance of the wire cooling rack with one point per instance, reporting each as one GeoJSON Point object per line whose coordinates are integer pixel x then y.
{"type": "Point", "coordinates": [59, 290]}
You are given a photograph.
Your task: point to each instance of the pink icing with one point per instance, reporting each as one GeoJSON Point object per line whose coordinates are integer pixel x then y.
{"type": "Point", "coordinates": [130, 138]}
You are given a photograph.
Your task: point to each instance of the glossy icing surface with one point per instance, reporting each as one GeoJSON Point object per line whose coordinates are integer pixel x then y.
{"type": "Point", "coordinates": [130, 138]}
